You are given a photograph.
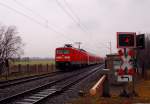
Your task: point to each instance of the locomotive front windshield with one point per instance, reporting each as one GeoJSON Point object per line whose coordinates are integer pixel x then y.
{"type": "Point", "coordinates": [62, 51]}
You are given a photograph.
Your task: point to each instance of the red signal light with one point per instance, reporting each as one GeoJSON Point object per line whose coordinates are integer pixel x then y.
{"type": "Point", "coordinates": [126, 39]}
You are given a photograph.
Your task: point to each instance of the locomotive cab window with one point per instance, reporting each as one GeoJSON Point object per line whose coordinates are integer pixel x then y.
{"type": "Point", "coordinates": [62, 51]}
{"type": "Point", "coordinates": [66, 51]}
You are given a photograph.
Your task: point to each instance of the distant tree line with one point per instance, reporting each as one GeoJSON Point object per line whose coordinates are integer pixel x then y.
{"type": "Point", "coordinates": [10, 45]}
{"type": "Point", "coordinates": [143, 56]}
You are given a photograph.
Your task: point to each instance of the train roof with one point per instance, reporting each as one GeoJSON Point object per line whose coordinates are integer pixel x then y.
{"type": "Point", "coordinates": [69, 46]}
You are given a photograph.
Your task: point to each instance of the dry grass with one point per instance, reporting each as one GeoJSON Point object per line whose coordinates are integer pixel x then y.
{"type": "Point", "coordinates": [43, 62]}
{"type": "Point", "coordinates": [113, 100]}
{"type": "Point", "coordinates": [14, 72]}
{"type": "Point", "coordinates": [19, 75]}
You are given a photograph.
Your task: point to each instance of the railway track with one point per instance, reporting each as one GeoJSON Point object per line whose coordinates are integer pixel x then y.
{"type": "Point", "coordinates": [38, 94]}
{"type": "Point", "coordinates": [4, 84]}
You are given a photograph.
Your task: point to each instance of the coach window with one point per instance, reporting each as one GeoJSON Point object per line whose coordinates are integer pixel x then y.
{"type": "Point", "coordinates": [59, 51]}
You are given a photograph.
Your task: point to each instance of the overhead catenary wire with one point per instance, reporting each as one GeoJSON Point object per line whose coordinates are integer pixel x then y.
{"type": "Point", "coordinates": [29, 9]}
{"type": "Point", "coordinates": [20, 13]}
{"type": "Point", "coordinates": [46, 20]}
{"type": "Point", "coordinates": [69, 7]}
{"type": "Point", "coordinates": [70, 15]}
{"type": "Point", "coordinates": [33, 12]}
{"type": "Point", "coordinates": [76, 16]}
{"type": "Point", "coordinates": [98, 48]}
{"type": "Point", "coordinates": [32, 19]}
{"type": "Point", "coordinates": [79, 20]}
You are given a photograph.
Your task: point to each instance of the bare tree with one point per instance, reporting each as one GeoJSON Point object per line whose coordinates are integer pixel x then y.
{"type": "Point", "coordinates": [10, 45]}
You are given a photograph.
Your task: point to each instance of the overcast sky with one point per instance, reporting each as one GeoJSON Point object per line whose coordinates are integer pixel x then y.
{"type": "Point", "coordinates": [47, 24]}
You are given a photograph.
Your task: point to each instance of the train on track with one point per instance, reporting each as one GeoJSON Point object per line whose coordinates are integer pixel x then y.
{"type": "Point", "coordinates": [68, 57]}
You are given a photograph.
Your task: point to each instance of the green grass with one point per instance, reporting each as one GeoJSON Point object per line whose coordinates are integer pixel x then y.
{"type": "Point", "coordinates": [43, 62]}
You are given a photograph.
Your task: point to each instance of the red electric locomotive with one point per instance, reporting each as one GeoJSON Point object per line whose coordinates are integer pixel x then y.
{"type": "Point", "coordinates": [68, 56]}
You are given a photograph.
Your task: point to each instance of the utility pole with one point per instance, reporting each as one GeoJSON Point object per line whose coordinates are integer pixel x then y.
{"type": "Point", "coordinates": [110, 47]}
{"type": "Point", "coordinates": [79, 43]}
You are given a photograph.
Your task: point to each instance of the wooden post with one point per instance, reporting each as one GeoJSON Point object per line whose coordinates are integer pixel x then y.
{"type": "Point", "coordinates": [47, 67]}
{"type": "Point", "coordinates": [106, 89]}
{"type": "Point", "coordinates": [28, 71]}
{"type": "Point", "coordinates": [143, 69]}
{"type": "Point", "coordinates": [7, 68]}
{"type": "Point", "coordinates": [52, 67]}
{"type": "Point", "coordinates": [19, 68]}
{"type": "Point", "coordinates": [41, 67]}
{"type": "Point", "coordinates": [36, 68]}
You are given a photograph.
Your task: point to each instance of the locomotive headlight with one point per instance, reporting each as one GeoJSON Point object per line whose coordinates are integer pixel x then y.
{"type": "Point", "coordinates": [58, 57]}
{"type": "Point", "coordinates": [67, 57]}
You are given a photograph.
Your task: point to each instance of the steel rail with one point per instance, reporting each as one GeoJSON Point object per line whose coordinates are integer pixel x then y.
{"type": "Point", "coordinates": [37, 94]}
{"type": "Point", "coordinates": [9, 83]}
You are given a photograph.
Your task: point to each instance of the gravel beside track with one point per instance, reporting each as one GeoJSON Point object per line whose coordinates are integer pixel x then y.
{"type": "Point", "coordinates": [8, 83]}
{"type": "Point", "coordinates": [19, 88]}
{"type": "Point", "coordinates": [73, 92]}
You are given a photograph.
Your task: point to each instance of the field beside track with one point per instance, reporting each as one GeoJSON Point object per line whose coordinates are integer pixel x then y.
{"type": "Point", "coordinates": [33, 62]}
{"type": "Point", "coordinates": [28, 68]}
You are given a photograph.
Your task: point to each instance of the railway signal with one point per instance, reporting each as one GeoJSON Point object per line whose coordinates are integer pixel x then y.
{"type": "Point", "coordinates": [140, 41]}
{"type": "Point", "coordinates": [127, 42]}
{"type": "Point", "coordinates": [126, 39]}
{"type": "Point", "coordinates": [126, 67]}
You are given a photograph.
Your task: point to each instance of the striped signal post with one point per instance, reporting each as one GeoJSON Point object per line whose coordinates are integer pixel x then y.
{"type": "Point", "coordinates": [127, 42]}
{"type": "Point", "coordinates": [132, 71]}
{"type": "Point", "coordinates": [122, 72]}
{"type": "Point", "coordinates": [127, 69]}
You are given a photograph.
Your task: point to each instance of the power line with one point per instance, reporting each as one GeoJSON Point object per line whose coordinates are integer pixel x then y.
{"type": "Point", "coordinates": [92, 47]}
{"type": "Point", "coordinates": [59, 4]}
{"type": "Point", "coordinates": [73, 19]}
{"type": "Point", "coordinates": [75, 15]}
{"type": "Point", "coordinates": [77, 18]}
{"type": "Point", "coordinates": [29, 9]}
{"type": "Point", "coordinates": [20, 13]}
{"type": "Point", "coordinates": [104, 45]}
{"type": "Point", "coordinates": [31, 18]}
{"type": "Point", "coordinates": [66, 3]}
{"type": "Point", "coordinates": [98, 48]}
